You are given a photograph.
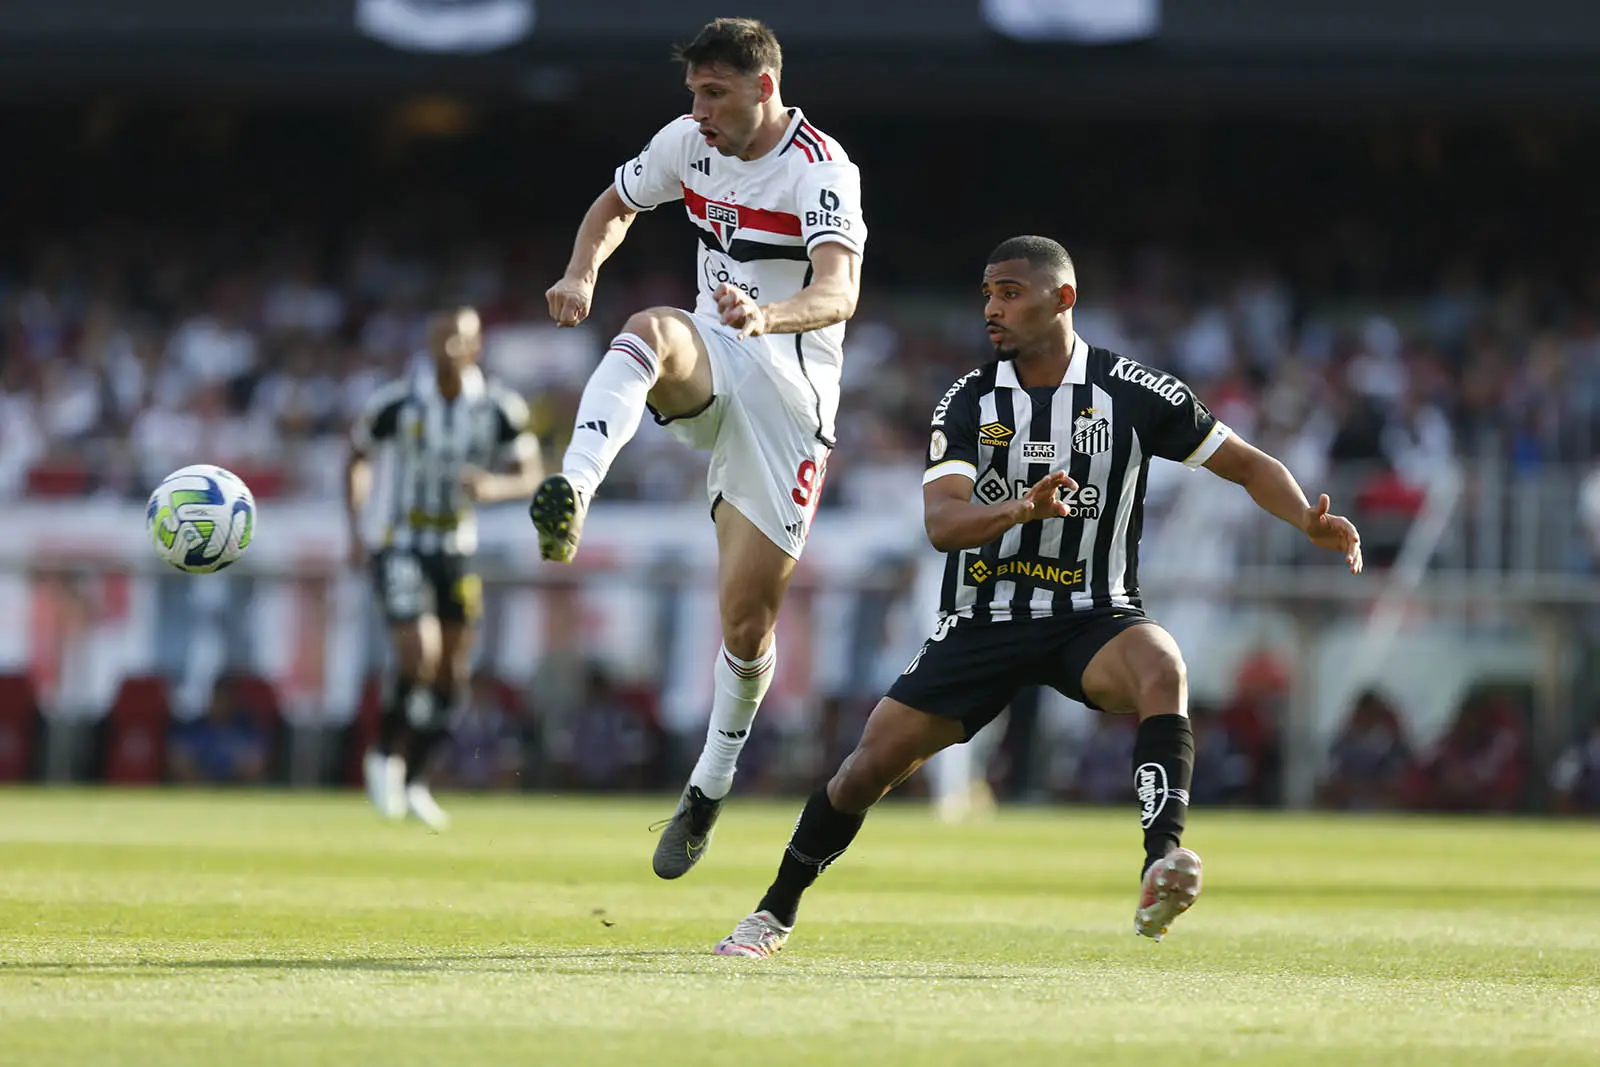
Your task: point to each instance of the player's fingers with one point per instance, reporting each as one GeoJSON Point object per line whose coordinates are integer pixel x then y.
{"type": "Point", "coordinates": [1323, 504]}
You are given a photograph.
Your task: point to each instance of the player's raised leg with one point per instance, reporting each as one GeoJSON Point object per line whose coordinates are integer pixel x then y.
{"type": "Point", "coordinates": [896, 741]}
{"type": "Point", "coordinates": [411, 701]}
{"type": "Point", "coordinates": [659, 361]}
{"type": "Point", "coordinates": [752, 576]}
{"type": "Point", "coordinates": [1141, 670]}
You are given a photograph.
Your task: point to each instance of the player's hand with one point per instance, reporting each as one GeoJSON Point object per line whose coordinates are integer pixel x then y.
{"type": "Point", "coordinates": [1334, 532]}
{"type": "Point", "coordinates": [569, 300]}
{"type": "Point", "coordinates": [1043, 500]}
{"type": "Point", "coordinates": [356, 553]}
{"type": "Point", "coordinates": [740, 312]}
{"type": "Point", "coordinates": [473, 481]}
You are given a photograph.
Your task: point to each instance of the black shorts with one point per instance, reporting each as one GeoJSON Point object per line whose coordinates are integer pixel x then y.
{"type": "Point", "coordinates": [971, 671]}
{"type": "Point", "coordinates": [413, 584]}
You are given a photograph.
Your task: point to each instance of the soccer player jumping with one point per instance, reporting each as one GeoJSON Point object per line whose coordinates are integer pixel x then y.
{"type": "Point", "coordinates": [751, 375]}
{"type": "Point", "coordinates": [1035, 490]}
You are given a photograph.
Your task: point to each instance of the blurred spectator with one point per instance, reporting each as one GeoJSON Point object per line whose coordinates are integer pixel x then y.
{"type": "Point", "coordinates": [1369, 760]}
{"type": "Point", "coordinates": [1479, 765]}
{"type": "Point", "coordinates": [1575, 777]}
{"type": "Point", "coordinates": [612, 743]}
{"type": "Point", "coordinates": [486, 741]}
{"type": "Point", "coordinates": [228, 745]}
{"type": "Point", "coordinates": [1105, 763]}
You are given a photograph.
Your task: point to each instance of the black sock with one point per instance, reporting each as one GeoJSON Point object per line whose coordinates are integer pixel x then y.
{"type": "Point", "coordinates": [819, 838]}
{"type": "Point", "coordinates": [420, 747]}
{"type": "Point", "coordinates": [1163, 764]}
{"type": "Point", "coordinates": [392, 723]}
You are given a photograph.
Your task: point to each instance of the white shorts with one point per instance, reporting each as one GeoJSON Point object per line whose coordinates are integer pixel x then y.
{"type": "Point", "coordinates": [767, 456]}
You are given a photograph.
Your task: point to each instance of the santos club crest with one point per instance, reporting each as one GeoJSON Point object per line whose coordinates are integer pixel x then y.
{"type": "Point", "coordinates": [1091, 433]}
{"type": "Point", "coordinates": [724, 219]}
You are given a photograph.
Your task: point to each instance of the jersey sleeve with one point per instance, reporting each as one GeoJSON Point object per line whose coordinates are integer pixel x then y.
{"type": "Point", "coordinates": [829, 199]}
{"type": "Point", "coordinates": [953, 442]}
{"type": "Point", "coordinates": [512, 430]}
{"type": "Point", "coordinates": [1185, 432]}
{"type": "Point", "coordinates": [380, 419]}
{"type": "Point", "coordinates": [655, 176]}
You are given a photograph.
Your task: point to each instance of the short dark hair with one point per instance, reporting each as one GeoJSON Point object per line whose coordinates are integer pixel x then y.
{"type": "Point", "coordinates": [746, 45]}
{"type": "Point", "coordinates": [1041, 254]}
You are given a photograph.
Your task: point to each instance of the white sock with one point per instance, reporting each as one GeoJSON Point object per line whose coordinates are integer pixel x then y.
{"type": "Point", "coordinates": [740, 685]}
{"type": "Point", "coordinates": [610, 410]}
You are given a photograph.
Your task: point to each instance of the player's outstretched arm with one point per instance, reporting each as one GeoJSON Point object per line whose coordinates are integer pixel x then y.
{"type": "Point", "coordinates": [1275, 491]}
{"type": "Point", "coordinates": [604, 226]}
{"type": "Point", "coordinates": [953, 521]}
{"type": "Point", "coordinates": [830, 298]}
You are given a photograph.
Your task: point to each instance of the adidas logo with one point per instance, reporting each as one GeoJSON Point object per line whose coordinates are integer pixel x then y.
{"type": "Point", "coordinates": [702, 165]}
{"type": "Point", "coordinates": [597, 425]}
{"type": "Point", "coordinates": [733, 734]}
{"type": "Point", "coordinates": [795, 529]}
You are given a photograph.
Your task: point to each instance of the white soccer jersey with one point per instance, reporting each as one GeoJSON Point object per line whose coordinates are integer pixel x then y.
{"type": "Point", "coordinates": [758, 221]}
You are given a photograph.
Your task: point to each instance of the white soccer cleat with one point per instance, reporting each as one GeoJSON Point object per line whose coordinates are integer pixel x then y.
{"type": "Point", "coordinates": [393, 789]}
{"type": "Point", "coordinates": [420, 802]}
{"type": "Point", "coordinates": [1171, 886]}
{"type": "Point", "coordinates": [758, 936]}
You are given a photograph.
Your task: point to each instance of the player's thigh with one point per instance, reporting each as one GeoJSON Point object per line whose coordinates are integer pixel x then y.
{"type": "Point", "coordinates": [966, 672]}
{"type": "Point", "coordinates": [1138, 667]}
{"type": "Point", "coordinates": [458, 591]}
{"type": "Point", "coordinates": [896, 741]}
{"type": "Point", "coordinates": [684, 385]}
{"type": "Point", "coordinates": [753, 574]}
{"type": "Point", "coordinates": [768, 460]}
{"type": "Point", "coordinates": [406, 598]}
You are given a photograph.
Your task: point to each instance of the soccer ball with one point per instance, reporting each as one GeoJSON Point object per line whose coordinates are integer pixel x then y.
{"type": "Point", "coordinates": [201, 518]}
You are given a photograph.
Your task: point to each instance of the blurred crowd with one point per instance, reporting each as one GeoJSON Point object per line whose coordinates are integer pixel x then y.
{"type": "Point", "coordinates": [119, 362]}
{"type": "Point", "coordinates": [605, 735]}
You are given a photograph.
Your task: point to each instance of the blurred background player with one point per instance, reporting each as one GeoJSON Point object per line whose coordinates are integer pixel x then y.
{"type": "Point", "coordinates": [751, 375]}
{"type": "Point", "coordinates": [446, 426]}
{"type": "Point", "coordinates": [1036, 468]}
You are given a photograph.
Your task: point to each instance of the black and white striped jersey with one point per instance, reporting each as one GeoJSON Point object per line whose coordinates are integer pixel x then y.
{"type": "Point", "coordinates": [431, 440]}
{"type": "Point", "coordinates": [1102, 425]}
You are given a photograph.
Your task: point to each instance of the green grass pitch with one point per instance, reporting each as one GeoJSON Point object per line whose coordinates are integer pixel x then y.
{"type": "Point", "coordinates": [190, 928]}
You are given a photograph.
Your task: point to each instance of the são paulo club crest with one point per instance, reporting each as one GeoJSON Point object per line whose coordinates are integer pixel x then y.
{"type": "Point", "coordinates": [724, 220]}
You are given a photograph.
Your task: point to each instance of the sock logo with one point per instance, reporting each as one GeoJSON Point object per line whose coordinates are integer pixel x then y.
{"type": "Point", "coordinates": [1150, 786]}
{"type": "Point", "coordinates": [597, 425]}
{"type": "Point", "coordinates": [734, 734]}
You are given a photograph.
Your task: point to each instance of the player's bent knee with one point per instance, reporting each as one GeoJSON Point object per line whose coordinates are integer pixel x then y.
{"type": "Point", "coordinates": [747, 639]}
{"type": "Point", "coordinates": [1163, 684]}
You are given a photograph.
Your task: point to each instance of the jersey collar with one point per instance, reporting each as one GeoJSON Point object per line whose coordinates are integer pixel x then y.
{"type": "Point", "coordinates": [1005, 375]}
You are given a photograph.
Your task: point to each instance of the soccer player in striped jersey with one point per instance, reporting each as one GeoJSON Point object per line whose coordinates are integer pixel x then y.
{"type": "Point", "coordinates": [1035, 491]}
{"type": "Point", "coordinates": [750, 375]}
{"type": "Point", "coordinates": [446, 426]}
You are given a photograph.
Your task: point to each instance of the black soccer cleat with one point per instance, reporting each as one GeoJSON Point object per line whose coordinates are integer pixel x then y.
{"type": "Point", "coordinates": [687, 834]}
{"type": "Point", "coordinates": [557, 511]}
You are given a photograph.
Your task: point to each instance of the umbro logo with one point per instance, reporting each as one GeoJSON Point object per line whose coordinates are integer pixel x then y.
{"type": "Point", "coordinates": [703, 165]}
{"type": "Point", "coordinates": [597, 425]}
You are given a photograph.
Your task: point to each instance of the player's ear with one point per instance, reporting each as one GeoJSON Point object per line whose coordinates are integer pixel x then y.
{"type": "Point", "coordinates": [768, 87]}
{"type": "Point", "coordinates": [1069, 298]}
